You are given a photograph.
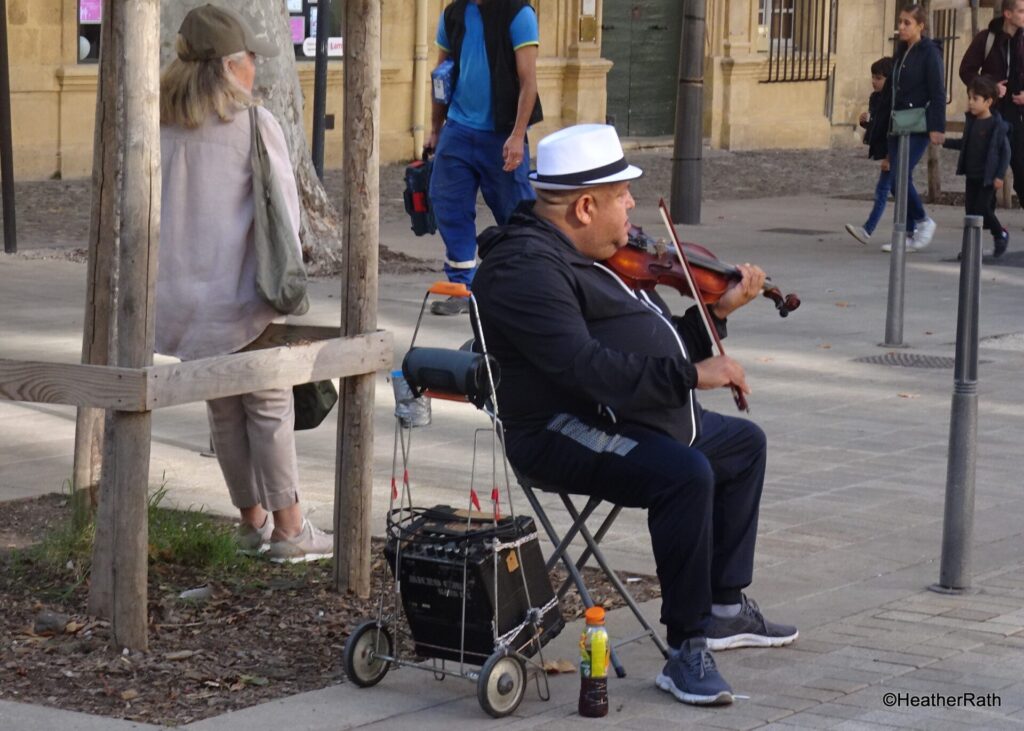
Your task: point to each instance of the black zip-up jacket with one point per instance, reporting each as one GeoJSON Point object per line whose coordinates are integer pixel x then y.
{"type": "Point", "coordinates": [1004, 62]}
{"type": "Point", "coordinates": [921, 81]}
{"type": "Point", "coordinates": [570, 337]}
{"type": "Point", "coordinates": [876, 133]}
{"type": "Point", "coordinates": [497, 16]}
{"type": "Point", "coordinates": [997, 157]}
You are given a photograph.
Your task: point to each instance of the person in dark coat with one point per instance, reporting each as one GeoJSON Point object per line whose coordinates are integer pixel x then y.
{"type": "Point", "coordinates": [598, 396]}
{"type": "Point", "coordinates": [918, 81]}
{"type": "Point", "coordinates": [984, 157]}
{"type": "Point", "coordinates": [875, 122]}
{"type": "Point", "coordinates": [998, 53]}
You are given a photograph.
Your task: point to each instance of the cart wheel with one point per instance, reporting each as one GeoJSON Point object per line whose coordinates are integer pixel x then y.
{"type": "Point", "coordinates": [363, 666]}
{"type": "Point", "coordinates": [501, 685]}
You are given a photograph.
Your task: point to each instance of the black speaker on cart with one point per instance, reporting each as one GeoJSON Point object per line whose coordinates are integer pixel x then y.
{"type": "Point", "coordinates": [444, 556]}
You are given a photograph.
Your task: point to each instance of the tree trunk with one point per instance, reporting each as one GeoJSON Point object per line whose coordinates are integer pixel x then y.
{"type": "Point", "coordinates": [277, 85]}
{"type": "Point", "coordinates": [129, 159]}
{"type": "Point", "coordinates": [354, 474]}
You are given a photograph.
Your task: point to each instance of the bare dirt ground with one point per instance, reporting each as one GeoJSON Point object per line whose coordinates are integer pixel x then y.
{"type": "Point", "coordinates": [265, 631]}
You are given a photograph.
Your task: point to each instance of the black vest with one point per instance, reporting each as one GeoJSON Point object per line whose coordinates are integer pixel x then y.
{"type": "Point", "coordinates": [497, 18]}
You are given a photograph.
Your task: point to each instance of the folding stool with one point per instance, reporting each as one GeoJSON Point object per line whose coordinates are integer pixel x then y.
{"type": "Point", "coordinates": [574, 568]}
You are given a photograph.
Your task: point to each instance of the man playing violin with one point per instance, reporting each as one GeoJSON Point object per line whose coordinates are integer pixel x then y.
{"type": "Point", "coordinates": [598, 396]}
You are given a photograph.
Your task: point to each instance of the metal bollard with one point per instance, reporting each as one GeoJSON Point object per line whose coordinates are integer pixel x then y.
{"type": "Point", "coordinates": [898, 257]}
{"type": "Point", "coordinates": [958, 519]}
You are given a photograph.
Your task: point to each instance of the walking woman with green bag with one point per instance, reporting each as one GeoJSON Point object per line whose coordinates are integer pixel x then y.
{"type": "Point", "coordinates": [918, 91]}
{"type": "Point", "coordinates": [207, 299]}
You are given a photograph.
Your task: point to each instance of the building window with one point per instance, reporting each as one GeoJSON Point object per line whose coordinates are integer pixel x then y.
{"type": "Point", "coordinates": [799, 37]}
{"type": "Point", "coordinates": [304, 17]}
{"type": "Point", "coordinates": [89, 16]}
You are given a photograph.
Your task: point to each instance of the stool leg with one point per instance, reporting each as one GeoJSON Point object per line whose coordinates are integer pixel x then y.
{"type": "Point", "coordinates": [560, 554]}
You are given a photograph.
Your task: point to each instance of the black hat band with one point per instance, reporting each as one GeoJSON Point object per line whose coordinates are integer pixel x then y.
{"type": "Point", "coordinates": [584, 176]}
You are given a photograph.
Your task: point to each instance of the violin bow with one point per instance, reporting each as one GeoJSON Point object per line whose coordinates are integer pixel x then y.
{"type": "Point", "coordinates": [705, 316]}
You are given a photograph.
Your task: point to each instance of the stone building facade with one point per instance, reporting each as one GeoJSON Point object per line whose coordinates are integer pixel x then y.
{"type": "Point", "coordinates": [778, 73]}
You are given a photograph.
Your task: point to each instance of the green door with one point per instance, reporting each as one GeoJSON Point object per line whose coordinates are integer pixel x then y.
{"type": "Point", "coordinates": [641, 37]}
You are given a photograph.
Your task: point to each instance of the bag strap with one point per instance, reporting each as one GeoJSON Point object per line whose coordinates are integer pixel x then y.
{"type": "Point", "coordinates": [990, 41]}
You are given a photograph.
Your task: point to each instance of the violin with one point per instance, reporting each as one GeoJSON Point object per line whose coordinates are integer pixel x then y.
{"type": "Point", "coordinates": [646, 262]}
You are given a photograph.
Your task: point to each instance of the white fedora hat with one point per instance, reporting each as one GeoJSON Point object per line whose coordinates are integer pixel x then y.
{"type": "Point", "coordinates": [581, 156]}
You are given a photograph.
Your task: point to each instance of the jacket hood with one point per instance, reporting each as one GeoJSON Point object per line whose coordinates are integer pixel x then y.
{"type": "Point", "coordinates": [996, 26]}
{"type": "Point", "coordinates": [925, 42]}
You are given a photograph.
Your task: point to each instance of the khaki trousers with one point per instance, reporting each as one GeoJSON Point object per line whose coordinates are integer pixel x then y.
{"type": "Point", "coordinates": [253, 435]}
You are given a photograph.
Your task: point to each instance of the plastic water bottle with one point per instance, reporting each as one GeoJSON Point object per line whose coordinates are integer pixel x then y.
{"type": "Point", "coordinates": [410, 410]}
{"type": "Point", "coordinates": [594, 657]}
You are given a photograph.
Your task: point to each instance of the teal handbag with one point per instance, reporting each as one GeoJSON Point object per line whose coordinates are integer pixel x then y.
{"type": "Point", "coordinates": [913, 121]}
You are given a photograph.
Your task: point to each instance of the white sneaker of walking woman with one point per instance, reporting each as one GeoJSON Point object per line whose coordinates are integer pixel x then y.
{"type": "Point", "coordinates": [311, 544]}
{"type": "Point", "coordinates": [923, 233]}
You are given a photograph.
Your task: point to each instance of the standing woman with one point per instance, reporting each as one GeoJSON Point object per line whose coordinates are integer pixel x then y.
{"type": "Point", "coordinates": [206, 297]}
{"type": "Point", "coordinates": [919, 82]}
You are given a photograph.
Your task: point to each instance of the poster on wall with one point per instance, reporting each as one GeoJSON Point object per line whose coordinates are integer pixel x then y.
{"type": "Point", "coordinates": [294, 6]}
{"type": "Point", "coordinates": [298, 26]}
{"type": "Point", "coordinates": [90, 11]}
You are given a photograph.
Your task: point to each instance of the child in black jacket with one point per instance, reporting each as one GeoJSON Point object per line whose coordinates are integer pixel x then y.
{"type": "Point", "coordinates": [876, 130]}
{"type": "Point", "coordinates": [984, 156]}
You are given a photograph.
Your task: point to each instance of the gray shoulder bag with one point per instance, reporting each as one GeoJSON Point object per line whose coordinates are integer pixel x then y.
{"type": "Point", "coordinates": [280, 274]}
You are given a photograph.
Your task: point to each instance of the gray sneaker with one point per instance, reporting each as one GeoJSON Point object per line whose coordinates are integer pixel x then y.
{"type": "Point", "coordinates": [450, 306]}
{"type": "Point", "coordinates": [253, 541]}
{"type": "Point", "coordinates": [691, 676]}
{"type": "Point", "coordinates": [749, 628]}
{"type": "Point", "coordinates": [311, 544]}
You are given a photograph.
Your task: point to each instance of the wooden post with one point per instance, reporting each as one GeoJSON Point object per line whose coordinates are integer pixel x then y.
{"type": "Point", "coordinates": [96, 328]}
{"type": "Point", "coordinates": [129, 89]}
{"type": "Point", "coordinates": [354, 475]}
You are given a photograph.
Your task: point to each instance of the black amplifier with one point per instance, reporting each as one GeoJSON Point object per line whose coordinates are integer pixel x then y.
{"type": "Point", "coordinates": [450, 554]}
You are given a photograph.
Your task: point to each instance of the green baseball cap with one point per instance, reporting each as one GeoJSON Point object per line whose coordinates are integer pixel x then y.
{"type": "Point", "coordinates": [214, 32]}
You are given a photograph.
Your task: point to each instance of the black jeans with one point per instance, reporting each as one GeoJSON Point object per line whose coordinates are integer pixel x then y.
{"type": "Point", "coordinates": [980, 200]}
{"type": "Point", "coordinates": [702, 501]}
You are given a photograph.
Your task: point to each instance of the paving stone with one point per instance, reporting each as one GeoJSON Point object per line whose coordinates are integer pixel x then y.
{"type": "Point", "coordinates": [785, 702]}
{"type": "Point", "coordinates": [973, 615]}
{"type": "Point", "coordinates": [821, 695]}
{"type": "Point", "coordinates": [810, 720]}
{"type": "Point", "coordinates": [837, 684]}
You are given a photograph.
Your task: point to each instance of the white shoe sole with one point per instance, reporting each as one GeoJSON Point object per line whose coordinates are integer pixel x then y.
{"type": "Point", "coordinates": [255, 552]}
{"type": "Point", "coordinates": [748, 640]}
{"type": "Point", "coordinates": [665, 683]}
{"type": "Point", "coordinates": [304, 558]}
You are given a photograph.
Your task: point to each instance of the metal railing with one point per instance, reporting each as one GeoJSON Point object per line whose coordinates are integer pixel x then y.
{"type": "Point", "coordinates": [801, 39]}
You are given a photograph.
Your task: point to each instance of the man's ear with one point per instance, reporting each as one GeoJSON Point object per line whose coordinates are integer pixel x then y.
{"type": "Point", "coordinates": [584, 208]}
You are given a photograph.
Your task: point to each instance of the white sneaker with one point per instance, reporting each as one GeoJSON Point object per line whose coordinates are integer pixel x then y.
{"type": "Point", "coordinates": [253, 541]}
{"type": "Point", "coordinates": [859, 233]}
{"type": "Point", "coordinates": [922, 235]}
{"type": "Point", "coordinates": [311, 544]}
{"type": "Point", "coordinates": [887, 247]}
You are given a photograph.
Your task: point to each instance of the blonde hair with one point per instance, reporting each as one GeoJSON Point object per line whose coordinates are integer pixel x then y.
{"type": "Point", "coordinates": [190, 91]}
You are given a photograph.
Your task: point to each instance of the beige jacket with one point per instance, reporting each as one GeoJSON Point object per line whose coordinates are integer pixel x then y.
{"type": "Point", "coordinates": [206, 300]}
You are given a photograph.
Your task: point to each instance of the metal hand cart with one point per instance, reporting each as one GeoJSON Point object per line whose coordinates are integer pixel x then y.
{"type": "Point", "coordinates": [469, 589]}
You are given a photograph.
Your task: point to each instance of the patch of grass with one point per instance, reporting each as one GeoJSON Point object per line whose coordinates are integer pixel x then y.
{"type": "Point", "coordinates": [185, 538]}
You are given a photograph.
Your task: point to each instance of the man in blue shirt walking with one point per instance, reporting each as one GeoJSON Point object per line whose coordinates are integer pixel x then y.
{"type": "Point", "coordinates": [479, 138]}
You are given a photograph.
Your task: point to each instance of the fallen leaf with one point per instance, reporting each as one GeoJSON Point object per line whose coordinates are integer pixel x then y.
{"type": "Point", "coordinates": [253, 680]}
{"type": "Point", "coordinates": [842, 304]}
{"type": "Point", "coordinates": [765, 359]}
{"type": "Point", "coordinates": [72, 627]}
{"type": "Point", "coordinates": [928, 332]}
{"type": "Point", "coordinates": [561, 665]}
{"type": "Point", "coordinates": [179, 655]}
{"type": "Point", "coordinates": [908, 395]}
{"type": "Point", "coordinates": [129, 695]}
{"type": "Point", "coordinates": [825, 346]}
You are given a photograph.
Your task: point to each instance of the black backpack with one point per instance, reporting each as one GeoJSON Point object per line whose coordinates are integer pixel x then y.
{"type": "Point", "coordinates": [417, 195]}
